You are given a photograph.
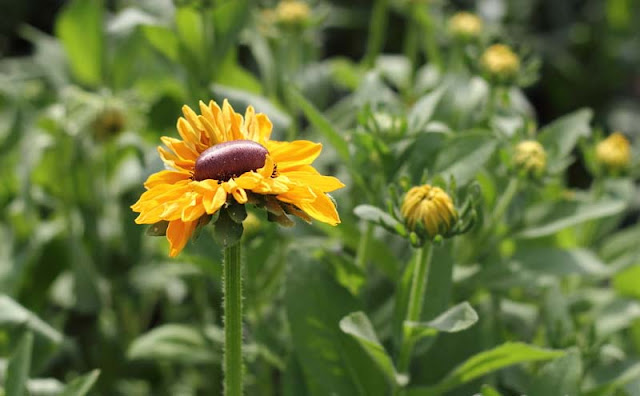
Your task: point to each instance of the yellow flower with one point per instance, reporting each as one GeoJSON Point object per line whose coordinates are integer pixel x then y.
{"type": "Point", "coordinates": [500, 62]}
{"type": "Point", "coordinates": [530, 157]}
{"type": "Point", "coordinates": [292, 12]}
{"type": "Point", "coordinates": [225, 156]}
{"type": "Point", "coordinates": [465, 25]}
{"type": "Point", "coordinates": [430, 209]}
{"type": "Point", "coordinates": [614, 152]}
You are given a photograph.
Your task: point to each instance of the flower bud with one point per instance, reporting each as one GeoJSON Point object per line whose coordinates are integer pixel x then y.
{"type": "Point", "coordinates": [293, 12]}
{"type": "Point", "coordinates": [429, 210]}
{"type": "Point", "coordinates": [465, 26]}
{"type": "Point", "coordinates": [530, 157]}
{"type": "Point", "coordinates": [500, 62]}
{"type": "Point", "coordinates": [614, 152]}
{"type": "Point", "coordinates": [108, 123]}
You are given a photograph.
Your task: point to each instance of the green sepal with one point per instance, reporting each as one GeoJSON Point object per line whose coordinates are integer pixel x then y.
{"type": "Point", "coordinates": [226, 231]}
{"type": "Point", "coordinates": [158, 229]}
{"type": "Point", "coordinates": [237, 213]}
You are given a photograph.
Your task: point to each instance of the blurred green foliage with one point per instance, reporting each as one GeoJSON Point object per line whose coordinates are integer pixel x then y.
{"type": "Point", "coordinates": [541, 297]}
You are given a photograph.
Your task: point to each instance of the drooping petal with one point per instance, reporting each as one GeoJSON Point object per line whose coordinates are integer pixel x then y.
{"type": "Point", "coordinates": [178, 234]}
{"type": "Point", "coordinates": [321, 209]}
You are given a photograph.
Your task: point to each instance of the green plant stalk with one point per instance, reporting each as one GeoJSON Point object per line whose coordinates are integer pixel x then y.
{"type": "Point", "coordinates": [414, 306]}
{"type": "Point", "coordinates": [232, 289]}
{"type": "Point", "coordinates": [377, 31]}
{"type": "Point", "coordinates": [430, 42]}
{"type": "Point", "coordinates": [361, 255]}
{"type": "Point", "coordinates": [411, 39]}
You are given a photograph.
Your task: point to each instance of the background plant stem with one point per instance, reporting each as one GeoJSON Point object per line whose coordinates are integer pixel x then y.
{"type": "Point", "coordinates": [377, 31]}
{"type": "Point", "coordinates": [232, 286]}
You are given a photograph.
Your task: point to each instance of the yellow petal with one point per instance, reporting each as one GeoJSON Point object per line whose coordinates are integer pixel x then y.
{"type": "Point", "coordinates": [291, 154]}
{"type": "Point", "coordinates": [322, 209]}
{"type": "Point", "coordinates": [165, 177]}
{"type": "Point", "coordinates": [213, 200]}
{"type": "Point", "coordinates": [178, 234]}
{"type": "Point", "coordinates": [317, 181]}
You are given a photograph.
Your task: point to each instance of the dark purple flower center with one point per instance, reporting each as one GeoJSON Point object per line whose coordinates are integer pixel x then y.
{"type": "Point", "coordinates": [229, 159]}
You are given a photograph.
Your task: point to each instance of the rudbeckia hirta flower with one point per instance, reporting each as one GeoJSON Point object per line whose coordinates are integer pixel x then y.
{"type": "Point", "coordinates": [224, 158]}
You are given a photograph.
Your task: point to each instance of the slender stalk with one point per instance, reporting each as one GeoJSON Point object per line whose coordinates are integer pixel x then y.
{"type": "Point", "coordinates": [361, 254]}
{"type": "Point", "coordinates": [377, 31]}
{"type": "Point", "coordinates": [503, 203]}
{"type": "Point", "coordinates": [414, 306]}
{"type": "Point", "coordinates": [232, 287]}
{"type": "Point", "coordinates": [430, 40]}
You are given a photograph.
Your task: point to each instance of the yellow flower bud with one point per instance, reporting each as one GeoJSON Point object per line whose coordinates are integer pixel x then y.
{"type": "Point", "coordinates": [614, 152]}
{"type": "Point", "coordinates": [465, 25]}
{"type": "Point", "coordinates": [292, 12]}
{"type": "Point", "coordinates": [530, 157]}
{"type": "Point", "coordinates": [430, 209]}
{"type": "Point", "coordinates": [500, 62]}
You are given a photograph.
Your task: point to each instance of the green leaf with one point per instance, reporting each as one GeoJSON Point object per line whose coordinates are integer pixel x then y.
{"type": "Point", "coordinates": [190, 29]}
{"type": "Point", "coordinates": [226, 231]}
{"type": "Point", "coordinates": [79, 27]}
{"type": "Point", "coordinates": [457, 318]}
{"type": "Point", "coordinates": [358, 326]}
{"type": "Point", "coordinates": [82, 385]}
{"type": "Point", "coordinates": [377, 216]}
{"type": "Point", "coordinates": [229, 20]}
{"type": "Point", "coordinates": [421, 112]}
{"type": "Point", "coordinates": [18, 367]}
{"type": "Point", "coordinates": [559, 377]}
{"type": "Point", "coordinates": [164, 40]}
{"type": "Point", "coordinates": [561, 136]}
{"type": "Point", "coordinates": [623, 376]}
{"type": "Point", "coordinates": [321, 123]}
{"type": "Point", "coordinates": [488, 390]}
{"type": "Point", "coordinates": [173, 343]}
{"type": "Point", "coordinates": [616, 316]}
{"type": "Point", "coordinates": [15, 315]}
{"type": "Point", "coordinates": [548, 219]}
{"type": "Point", "coordinates": [486, 362]}
{"type": "Point", "coordinates": [560, 262]}
{"type": "Point", "coordinates": [465, 156]}
{"type": "Point", "coordinates": [627, 281]}
{"type": "Point", "coordinates": [332, 361]}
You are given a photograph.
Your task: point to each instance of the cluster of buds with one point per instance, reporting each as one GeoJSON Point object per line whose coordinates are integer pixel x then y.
{"type": "Point", "coordinates": [500, 63]}
{"type": "Point", "coordinates": [465, 26]}
{"type": "Point", "coordinates": [424, 213]}
{"type": "Point", "coordinates": [530, 158]}
{"type": "Point", "coordinates": [614, 153]}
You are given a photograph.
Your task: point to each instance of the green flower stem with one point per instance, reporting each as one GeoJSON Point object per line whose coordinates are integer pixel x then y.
{"type": "Point", "coordinates": [503, 203]}
{"type": "Point", "coordinates": [414, 306]}
{"type": "Point", "coordinates": [377, 31]}
{"type": "Point", "coordinates": [411, 39]}
{"type": "Point", "coordinates": [232, 289]}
